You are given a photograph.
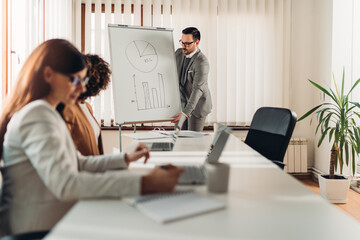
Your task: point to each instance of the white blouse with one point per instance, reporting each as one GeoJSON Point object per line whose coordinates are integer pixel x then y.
{"type": "Point", "coordinates": [46, 175]}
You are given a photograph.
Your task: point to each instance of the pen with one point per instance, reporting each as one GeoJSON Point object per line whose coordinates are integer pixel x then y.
{"type": "Point", "coordinates": [164, 133]}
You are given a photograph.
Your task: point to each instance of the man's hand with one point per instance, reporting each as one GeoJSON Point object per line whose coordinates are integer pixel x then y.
{"type": "Point", "coordinates": [177, 117]}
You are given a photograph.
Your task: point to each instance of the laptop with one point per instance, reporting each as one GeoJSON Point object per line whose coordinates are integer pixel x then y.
{"type": "Point", "coordinates": [167, 146]}
{"type": "Point", "coordinates": [196, 174]}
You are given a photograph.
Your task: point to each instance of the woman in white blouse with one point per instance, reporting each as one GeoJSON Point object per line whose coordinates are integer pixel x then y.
{"type": "Point", "coordinates": [43, 174]}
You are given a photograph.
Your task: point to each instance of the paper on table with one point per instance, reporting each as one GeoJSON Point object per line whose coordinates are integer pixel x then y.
{"type": "Point", "coordinates": [146, 135]}
{"type": "Point", "coordinates": [185, 133]}
{"type": "Point", "coordinates": [173, 206]}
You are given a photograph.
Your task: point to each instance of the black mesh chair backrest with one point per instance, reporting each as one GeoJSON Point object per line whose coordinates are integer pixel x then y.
{"type": "Point", "coordinates": [27, 236]}
{"type": "Point", "coordinates": [270, 132]}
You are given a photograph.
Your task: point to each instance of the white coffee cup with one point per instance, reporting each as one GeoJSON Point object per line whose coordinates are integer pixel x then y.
{"type": "Point", "coordinates": [215, 126]}
{"type": "Point", "coordinates": [217, 177]}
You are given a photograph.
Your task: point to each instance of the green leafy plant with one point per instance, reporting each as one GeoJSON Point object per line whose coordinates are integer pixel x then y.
{"type": "Point", "coordinates": [336, 119]}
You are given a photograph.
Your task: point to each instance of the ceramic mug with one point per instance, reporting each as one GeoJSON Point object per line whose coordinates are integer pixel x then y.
{"type": "Point", "coordinates": [217, 177]}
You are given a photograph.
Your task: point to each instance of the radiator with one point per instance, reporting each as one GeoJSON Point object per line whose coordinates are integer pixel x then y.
{"type": "Point", "coordinates": [296, 156]}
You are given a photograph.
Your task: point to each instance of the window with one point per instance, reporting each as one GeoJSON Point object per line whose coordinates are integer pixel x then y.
{"type": "Point", "coordinates": [23, 24]}
{"type": "Point", "coordinates": [247, 44]}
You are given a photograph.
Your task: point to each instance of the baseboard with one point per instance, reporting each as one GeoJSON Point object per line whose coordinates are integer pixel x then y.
{"type": "Point", "coordinates": [315, 173]}
{"type": "Point", "coordinates": [354, 186]}
{"type": "Point", "coordinates": [312, 173]}
{"type": "Point", "coordinates": [301, 176]}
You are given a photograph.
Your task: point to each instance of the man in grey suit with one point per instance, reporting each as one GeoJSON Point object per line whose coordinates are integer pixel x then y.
{"type": "Point", "coordinates": [193, 69]}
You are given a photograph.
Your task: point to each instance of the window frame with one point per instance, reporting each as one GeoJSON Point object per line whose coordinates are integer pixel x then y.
{"type": "Point", "coordinates": [83, 7]}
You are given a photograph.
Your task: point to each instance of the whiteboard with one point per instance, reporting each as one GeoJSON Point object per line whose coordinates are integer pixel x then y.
{"type": "Point", "coordinates": [144, 75]}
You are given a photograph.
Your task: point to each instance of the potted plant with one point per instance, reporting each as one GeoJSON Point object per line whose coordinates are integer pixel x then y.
{"type": "Point", "coordinates": [336, 118]}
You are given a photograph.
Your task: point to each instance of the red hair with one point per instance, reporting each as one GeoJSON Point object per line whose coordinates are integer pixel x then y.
{"type": "Point", "coordinates": [58, 54]}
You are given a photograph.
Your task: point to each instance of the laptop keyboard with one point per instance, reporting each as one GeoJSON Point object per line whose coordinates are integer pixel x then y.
{"type": "Point", "coordinates": [192, 175]}
{"type": "Point", "coordinates": [161, 145]}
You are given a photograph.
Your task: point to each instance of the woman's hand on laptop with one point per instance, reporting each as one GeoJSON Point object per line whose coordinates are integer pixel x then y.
{"type": "Point", "coordinates": [140, 151]}
{"type": "Point", "coordinates": [161, 179]}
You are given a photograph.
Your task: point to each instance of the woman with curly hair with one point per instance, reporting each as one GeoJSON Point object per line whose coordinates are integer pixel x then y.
{"type": "Point", "coordinates": [79, 118]}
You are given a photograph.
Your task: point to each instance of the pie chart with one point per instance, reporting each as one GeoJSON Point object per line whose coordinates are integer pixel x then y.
{"type": "Point", "coordinates": [142, 55]}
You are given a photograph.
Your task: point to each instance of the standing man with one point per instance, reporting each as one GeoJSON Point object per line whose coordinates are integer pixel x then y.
{"type": "Point", "coordinates": [193, 69]}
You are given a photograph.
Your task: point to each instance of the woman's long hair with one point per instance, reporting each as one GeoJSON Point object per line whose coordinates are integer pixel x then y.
{"type": "Point", "coordinates": [60, 55]}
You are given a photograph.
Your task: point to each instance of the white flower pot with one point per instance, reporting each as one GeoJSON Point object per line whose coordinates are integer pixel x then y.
{"type": "Point", "coordinates": [334, 190]}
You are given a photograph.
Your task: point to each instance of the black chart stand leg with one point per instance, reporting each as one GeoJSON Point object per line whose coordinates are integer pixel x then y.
{"type": "Point", "coordinates": [120, 137]}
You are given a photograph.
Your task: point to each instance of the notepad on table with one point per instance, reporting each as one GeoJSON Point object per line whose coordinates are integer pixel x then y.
{"type": "Point", "coordinates": [173, 206]}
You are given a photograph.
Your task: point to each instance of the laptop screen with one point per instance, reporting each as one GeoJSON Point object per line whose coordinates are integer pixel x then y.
{"type": "Point", "coordinates": [218, 145]}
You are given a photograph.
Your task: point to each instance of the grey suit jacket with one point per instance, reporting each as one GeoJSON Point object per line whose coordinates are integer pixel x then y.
{"type": "Point", "coordinates": [44, 175]}
{"type": "Point", "coordinates": [196, 84]}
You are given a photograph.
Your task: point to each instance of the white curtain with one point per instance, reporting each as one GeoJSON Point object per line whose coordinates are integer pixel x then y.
{"type": "Point", "coordinates": [96, 42]}
{"type": "Point", "coordinates": [346, 50]}
{"type": "Point", "coordinates": [247, 43]}
{"type": "Point", "coordinates": [25, 24]}
{"type": "Point", "coordinates": [28, 29]}
{"type": "Point", "coordinates": [96, 35]}
{"type": "Point", "coordinates": [346, 44]}
{"type": "Point", "coordinates": [59, 19]}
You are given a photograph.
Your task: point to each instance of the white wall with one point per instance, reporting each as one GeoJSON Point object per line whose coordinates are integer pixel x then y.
{"type": "Point", "coordinates": [302, 47]}
{"type": "Point", "coordinates": [311, 54]}
{"type": "Point", "coordinates": [322, 69]}
{"type": "Point", "coordinates": [346, 47]}
{"type": "Point", "coordinates": [324, 38]}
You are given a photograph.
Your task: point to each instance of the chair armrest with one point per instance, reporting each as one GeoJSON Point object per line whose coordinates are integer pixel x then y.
{"type": "Point", "coordinates": [279, 164]}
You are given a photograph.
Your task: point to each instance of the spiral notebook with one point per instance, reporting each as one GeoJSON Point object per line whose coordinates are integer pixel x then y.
{"type": "Point", "coordinates": [173, 206]}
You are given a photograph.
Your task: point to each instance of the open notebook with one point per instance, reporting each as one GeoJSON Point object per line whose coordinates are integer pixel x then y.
{"type": "Point", "coordinates": [173, 206]}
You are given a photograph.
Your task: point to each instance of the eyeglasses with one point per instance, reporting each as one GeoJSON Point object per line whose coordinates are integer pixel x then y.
{"type": "Point", "coordinates": [186, 43]}
{"type": "Point", "coordinates": [78, 80]}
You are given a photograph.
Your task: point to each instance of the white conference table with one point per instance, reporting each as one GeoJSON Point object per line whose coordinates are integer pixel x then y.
{"type": "Point", "coordinates": [263, 202]}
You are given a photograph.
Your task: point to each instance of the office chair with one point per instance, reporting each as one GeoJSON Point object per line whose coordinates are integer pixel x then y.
{"type": "Point", "coordinates": [26, 236]}
{"type": "Point", "coordinates": [22, 236]}
{"type": "Point", "coordinates": [270, 132]}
